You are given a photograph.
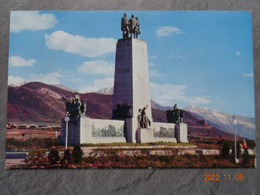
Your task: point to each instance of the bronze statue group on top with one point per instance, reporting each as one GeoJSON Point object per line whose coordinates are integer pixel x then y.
{"type": "Point", "coordinates": [131, 26]}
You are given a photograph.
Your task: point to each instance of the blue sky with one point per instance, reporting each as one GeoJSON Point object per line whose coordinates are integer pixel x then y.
{"type": "Point", "coordinates": [201, 58]}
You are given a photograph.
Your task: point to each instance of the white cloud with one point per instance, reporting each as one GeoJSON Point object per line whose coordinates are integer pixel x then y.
{"type": "Point", "coordinates": [167, 30]}
{"type": "Point", "coordinates": [249, 75]}
{"type": "Point", "coordinates": [73, 78]}
{"type": "Point", "coordinates": [97, 85]}
{"type": "Point", "coordinates": [20, 62]}
{"type": "Point", "coordinates": [17, 81]}
{"type": "Point", "coordinates": [89, 47]}
{"type": "Point", "coordinates": [31, 20]}
{"type": "Point", "coordinates": [237, 53]}
{"type": "Point", "coordinates": [168, 94]}
{"type": "Point", "coordinates": [48, 78]}
{"type": "Point", "coordinates": [97, 67]}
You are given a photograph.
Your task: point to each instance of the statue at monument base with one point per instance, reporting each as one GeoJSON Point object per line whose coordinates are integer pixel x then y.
{"type": "Point", "coordinates": [175, 115]}
{"type": "Point", "coordinates": [75, 107]}
{"type": "Point", "coordinates": [143, 120]}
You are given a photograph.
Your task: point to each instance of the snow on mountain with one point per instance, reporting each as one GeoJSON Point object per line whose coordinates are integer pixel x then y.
{"type": "Point", "coordinates": [110, 91]}
{"type": "Point", "coordinates": [64, 87]}
{"type": "Point", "coordinates": [158, 106]}
{"type": "Point", "coordinates": [13, 84]}
{"type": "Point", "coordinates": [245, 125]}
{"type": "Point", "coordinates": [106, 91]}
{"type": "Point", "coordinates": [49, 93]}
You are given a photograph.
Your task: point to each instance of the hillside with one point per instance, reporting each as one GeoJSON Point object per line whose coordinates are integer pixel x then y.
{"type": "Point", "coordinates": [39, 102]}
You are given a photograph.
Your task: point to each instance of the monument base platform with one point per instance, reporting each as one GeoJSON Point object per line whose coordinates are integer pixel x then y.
{"type": "Point", "coordinates": [87, 130]}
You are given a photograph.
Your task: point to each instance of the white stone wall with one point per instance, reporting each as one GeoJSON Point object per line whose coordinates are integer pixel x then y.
{"type": "Point", "coordinates": [141, 85]}
{"type": "Point", "coordinates": [80, 131]}
{"type": "Point", "coordinates": [156, 126]}
{"type": "Point", "coordinates": [182, 133]}
{"type": "Point", "coordinates": [86, 130]}
{"type": "Point", "coordinates": [146, 135]}
{"type": "Point", "coordinates": [130, 130]}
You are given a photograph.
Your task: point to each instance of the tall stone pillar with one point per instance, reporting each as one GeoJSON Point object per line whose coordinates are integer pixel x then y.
{"type": "Point", "coordinates": [131, 83]}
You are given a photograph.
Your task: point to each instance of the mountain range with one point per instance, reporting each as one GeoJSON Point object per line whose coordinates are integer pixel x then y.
{"type": "Point", "coordinates": [36, 102]}
{"type": "Point", "coordinates": [245, 126]}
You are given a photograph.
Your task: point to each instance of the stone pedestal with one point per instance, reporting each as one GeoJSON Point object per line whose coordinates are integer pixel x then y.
{"type": "Point", "coordinates": [181, 133]}
{"type": "Point", "coordinates": [131, 83]}
{"type": "Point", "coordinates": [73, 131]}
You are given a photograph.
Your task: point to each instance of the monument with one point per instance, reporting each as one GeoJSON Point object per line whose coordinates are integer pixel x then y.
{"type": "Point", "coordinates": [131, 82]}
{"type": "Point", "coordinates": [132, 113]}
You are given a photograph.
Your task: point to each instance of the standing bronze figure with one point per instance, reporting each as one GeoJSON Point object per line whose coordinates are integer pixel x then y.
{"type": "Point", "coordinates": [142, 119]}
{"type": "Point", "coordinates": [125, 26]}
{"type": "Point", "coordinates": [133, 23]}
{"type": "Point", "coordinates": [137, 28]}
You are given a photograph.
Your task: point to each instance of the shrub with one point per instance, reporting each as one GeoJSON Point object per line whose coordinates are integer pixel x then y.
{"type": "Point", "coordinates": [77, 154]}
{"type": "Point", "coordinates": [188, 156]}
{"type": "Point", "coordinates": [36, 159]}
{"type": "Point", "coordinates": [220, 142]}
{"type": "Point", "coordinates": [250, 143]}
{"type": "Point", "coordinates": [245, 157]}
{"type": "Point", "coordinates": [67, 157]}
{"type": "Point", "coordinates": [53, 156]}
{"type": "Point", "coordinates": [225, 150]}
{"type": "Point", "coordinates": [34, 142]}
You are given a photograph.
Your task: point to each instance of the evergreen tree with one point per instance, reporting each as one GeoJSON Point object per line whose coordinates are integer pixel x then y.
{"type": "Point", "coordinates": [77, 154]}
{"type": "Point", "coordinates": [67, 156]}
{"type": "Point", "coordinates": [225, 150]}
{"type": "Point", "coordinates": [53, 156]}
{"type": "Point", "coordinates": [245, 157]}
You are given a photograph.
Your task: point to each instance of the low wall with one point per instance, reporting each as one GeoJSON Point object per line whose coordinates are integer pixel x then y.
{"type": "Point", "coordinates": [147, 135]}
{"type": "Point", "coordinates": [101, 131]}
{"type": "Point", "coordinates": [86, 130]}
{"type": "Point", "coordinates": [166, 130]}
